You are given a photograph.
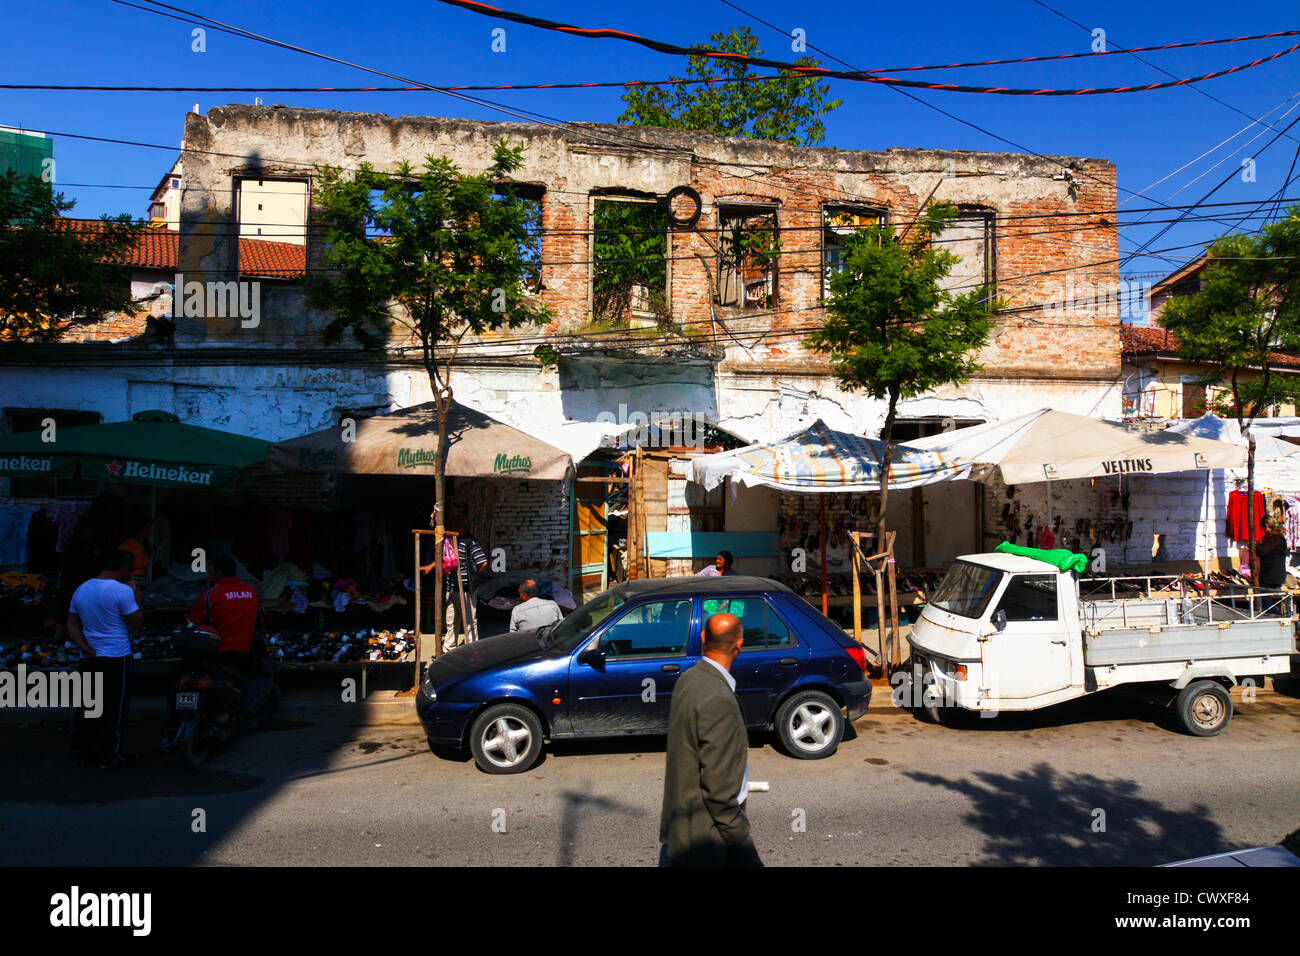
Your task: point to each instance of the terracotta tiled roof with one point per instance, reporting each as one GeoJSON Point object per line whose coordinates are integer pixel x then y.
{"type": "Point", "coordinates": [1139, 340]}
{"type": "Point", "coordinates": [159, 248]}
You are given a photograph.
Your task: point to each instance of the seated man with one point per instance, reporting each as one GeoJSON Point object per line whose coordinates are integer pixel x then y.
{"type": "Point", "coordinates": [231, 606]}
{"type": "Point", "coordinates": [533, 611]}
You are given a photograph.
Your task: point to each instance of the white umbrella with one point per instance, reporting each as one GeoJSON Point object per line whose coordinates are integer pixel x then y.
{"type": "Point", "coordinates": [1048, 445]}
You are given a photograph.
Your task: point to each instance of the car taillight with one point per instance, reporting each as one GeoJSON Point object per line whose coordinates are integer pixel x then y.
{"type": "Point", "coordinates": [859, 655]}
{"type": "Point", "coordinates": [194, 683]}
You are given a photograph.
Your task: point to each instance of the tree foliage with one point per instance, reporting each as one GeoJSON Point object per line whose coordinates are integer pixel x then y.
{"type": "Point", "coordinates": [441, 253]}
{"type": "Point", "coordinates": [454, 253]}
{"type": "Point", "coordinates": [56, 272]}
{"type": "Point", "coordinates": [630, 243]}
{"type": "Point", "coordinates": [1247, 311]}
{"type": "Point", "coordinates": [787, 109]}
{"type": "Point", "coordinates": [891, 328]}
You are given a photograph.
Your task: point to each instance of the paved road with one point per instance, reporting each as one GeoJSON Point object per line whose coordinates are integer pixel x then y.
{"type": "Point", "coordinates": [1021, 789]}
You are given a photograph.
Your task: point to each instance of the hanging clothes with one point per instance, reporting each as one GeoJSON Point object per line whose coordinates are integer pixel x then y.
{"type": "Point", "coordinates": [1238, 527]}
{"type": "Point", "coordinates": [14, 520]}
{"type": "Point", "coordinates": [1291, 522]}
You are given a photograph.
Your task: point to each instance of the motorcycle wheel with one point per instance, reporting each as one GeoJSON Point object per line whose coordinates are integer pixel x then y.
{"type": "Point", "coordinates": [196, 751]}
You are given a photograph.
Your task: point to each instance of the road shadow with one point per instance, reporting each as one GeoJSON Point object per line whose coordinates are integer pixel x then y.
{"type": "Point", "coordinates": [575, 802]}
{"type": "Point", "coordinates": [1037, 817]}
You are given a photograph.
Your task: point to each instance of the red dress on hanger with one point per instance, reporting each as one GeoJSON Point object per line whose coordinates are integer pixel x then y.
{"type": "Point", "coordinates": [1237, 522]}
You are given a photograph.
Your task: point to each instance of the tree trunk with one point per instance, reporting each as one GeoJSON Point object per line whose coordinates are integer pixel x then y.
{"type": "Point", "coordinates": [1250, 510]}
{"type": "Point", "coordinates": [886, 436]}
{"type": "Point", "coordinates": [439, 522]}
{"type": "Point", "coordinates": [442, 403]}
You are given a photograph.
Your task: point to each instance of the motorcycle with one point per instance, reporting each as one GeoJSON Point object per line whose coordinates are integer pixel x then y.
{"type": "Point", "coordinates": [210, 702]}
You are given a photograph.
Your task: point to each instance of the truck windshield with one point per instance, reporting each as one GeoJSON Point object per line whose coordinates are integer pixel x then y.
{"type": "Point", "coordinates": [966, 590]}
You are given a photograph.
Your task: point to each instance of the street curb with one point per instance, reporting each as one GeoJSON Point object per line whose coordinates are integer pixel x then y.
{"type": "Point", "coordinates": [373, 711]}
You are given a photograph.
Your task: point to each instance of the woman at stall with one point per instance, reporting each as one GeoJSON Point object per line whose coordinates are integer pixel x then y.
{"type": "Point", "coordinates": [1270, 555]}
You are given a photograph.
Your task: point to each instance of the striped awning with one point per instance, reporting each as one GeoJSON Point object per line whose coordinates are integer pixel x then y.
{"type": "Point", "coordinates": [823, 459]}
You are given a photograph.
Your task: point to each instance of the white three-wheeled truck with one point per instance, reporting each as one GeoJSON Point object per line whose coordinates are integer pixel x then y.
{"type": "Point", "coordinates": [1009, 632]}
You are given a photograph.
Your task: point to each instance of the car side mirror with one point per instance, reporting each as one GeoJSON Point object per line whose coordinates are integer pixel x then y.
{"type": "Point", "coordinates": [593, 656]}
{"type": "Point", "coordinates": [999, 620]}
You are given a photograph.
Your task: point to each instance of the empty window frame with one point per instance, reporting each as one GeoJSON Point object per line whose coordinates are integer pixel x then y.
{"type": "Point", "coordinates": [629, 272]}
{"type": "Point", "coordinates": [970, 237]}
{"type": "Point", "coordinates": [838, 223]}
{"type": "Point", "coordinates": [272, 209]}
{"type": "Point", "coordinates": [530, 240]}
{"type": "Point", "coordinates": [749, 250]}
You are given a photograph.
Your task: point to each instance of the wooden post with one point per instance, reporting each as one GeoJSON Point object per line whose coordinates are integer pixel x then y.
{"type": "Point", "coordinates": [895, 640]}
{"type": "Point", "coordinates": [825, 604]}
{"type": "Point", "coordinates": [857, 588]}
{"type": "Point", "coordinates": [633, 513]}
{"type": "Point", "coordinates": [880, 617]}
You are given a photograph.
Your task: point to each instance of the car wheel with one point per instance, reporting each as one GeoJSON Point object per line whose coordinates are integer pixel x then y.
{"type": "Point", "coordinates": [810, 725]}
{"type": "Point", "coordinates": [506, 738]}
{"type": "Point", "coordinates": [1204, 708]}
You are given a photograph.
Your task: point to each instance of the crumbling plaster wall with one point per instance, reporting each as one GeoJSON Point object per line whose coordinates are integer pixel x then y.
{"type": "Point", "coordinates": [583, 160]}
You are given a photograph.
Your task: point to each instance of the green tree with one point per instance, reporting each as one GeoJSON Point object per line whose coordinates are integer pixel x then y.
{"type": "Point", "coordinates": [440, 253]}
{"type": "Point", "coordinates": [892, 330]}
{"type": "Point", "coordinates": [1247, 311]}
{"type": "Point", "coordinates": [631, 241]}
{"type": "Point", "coordinates": [787, 109]}
{"type": "Point", "coordinates": [56, 272]}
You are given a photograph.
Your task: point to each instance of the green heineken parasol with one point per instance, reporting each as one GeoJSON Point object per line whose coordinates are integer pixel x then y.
{"type": "Point", "coordinates": [155, 448]}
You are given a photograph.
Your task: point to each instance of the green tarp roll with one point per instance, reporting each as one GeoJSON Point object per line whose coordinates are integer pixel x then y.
{"type": "Point", "coordinates": [1061, 558]}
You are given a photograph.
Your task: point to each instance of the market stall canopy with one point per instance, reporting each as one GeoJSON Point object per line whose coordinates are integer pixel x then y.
{"type": "Point", "coordinates": [154, 448]}
{"type": "Point", "coordinates": [1209, 425]}
{"type": "Point", "coordinates": [823, 459]}
{"type": "Point", "coordinates": [405, 442]}
{"type": "Point", "coordinates": [1048, 445]}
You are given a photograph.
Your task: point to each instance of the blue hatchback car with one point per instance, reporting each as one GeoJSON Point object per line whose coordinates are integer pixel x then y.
{"type": "Point", "coordinates": [608, 670]}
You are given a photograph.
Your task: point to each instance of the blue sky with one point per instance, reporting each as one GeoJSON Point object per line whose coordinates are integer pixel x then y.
{"type": "Point", "coordinates": [1147, 135]}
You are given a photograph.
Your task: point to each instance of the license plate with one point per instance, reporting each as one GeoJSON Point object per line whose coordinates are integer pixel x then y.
{"type": "Point", "coordinates": [187, 701]}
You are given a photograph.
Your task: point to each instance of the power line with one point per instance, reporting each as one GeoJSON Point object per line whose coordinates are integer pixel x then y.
{"type": "Point", "coordinates": [673, 49]}
{"type": "Point", "coordinates": [671, 81]}
{"type": "Point", "coordinates": [1133, 53]}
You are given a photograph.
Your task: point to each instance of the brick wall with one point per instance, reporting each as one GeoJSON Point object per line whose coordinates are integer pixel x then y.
{"type": "Point", "coordinates": [577, 163]}
{"type": "Point", "coordinates": [529, 520]}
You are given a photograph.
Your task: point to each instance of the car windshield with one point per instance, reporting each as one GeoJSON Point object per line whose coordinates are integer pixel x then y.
{"type": "Point", "coordinates": [570, 632]}
{"type": "Point", "coordinates": [966, 590]}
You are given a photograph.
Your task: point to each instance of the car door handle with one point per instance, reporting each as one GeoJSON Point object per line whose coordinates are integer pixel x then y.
{"type": "Point", "coordinates": [671, 668]}
{"type": "Point", "coordinates": [1062, 643]}
{"type": "Point", "coordinates": [789, 661]}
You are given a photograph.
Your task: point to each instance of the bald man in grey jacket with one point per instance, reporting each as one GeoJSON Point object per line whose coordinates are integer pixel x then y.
{"type": "Point", "coordinates": [706, 778]}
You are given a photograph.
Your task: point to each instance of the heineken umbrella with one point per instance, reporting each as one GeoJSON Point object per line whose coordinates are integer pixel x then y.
{"type": "Point", "coordinates": [154, 448]}
{"type": "Point", "coordinates": [405, 442]}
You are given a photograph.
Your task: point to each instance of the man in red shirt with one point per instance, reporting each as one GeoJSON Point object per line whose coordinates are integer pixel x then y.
{"type": "Point", "coordinates": [231, 607]}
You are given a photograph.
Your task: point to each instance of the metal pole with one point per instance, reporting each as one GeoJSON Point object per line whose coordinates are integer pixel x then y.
{"type": "Point", "coordinates": [415, 538]}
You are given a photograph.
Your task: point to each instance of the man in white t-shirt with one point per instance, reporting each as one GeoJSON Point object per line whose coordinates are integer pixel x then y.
{"type": "Point", "coordinates": [98, 616]}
